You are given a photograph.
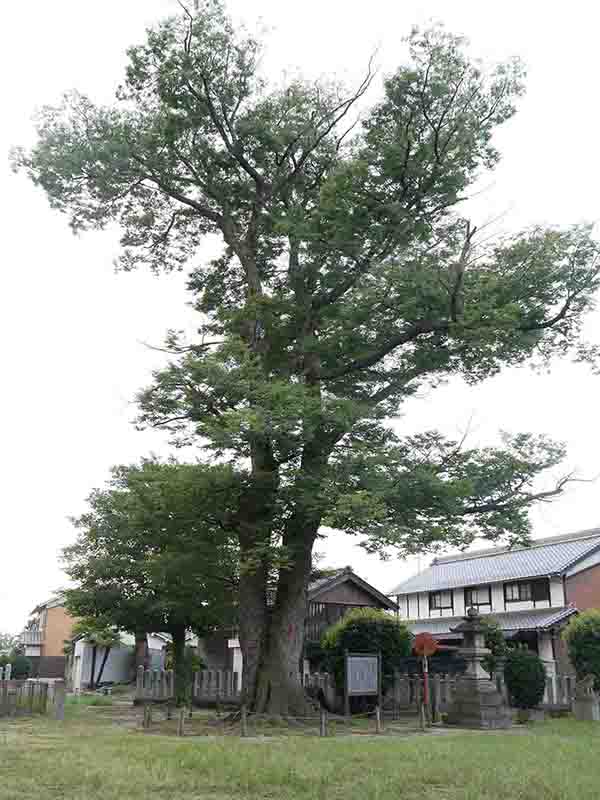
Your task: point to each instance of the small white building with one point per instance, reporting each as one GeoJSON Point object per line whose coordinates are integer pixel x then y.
{"type": "Point", "coordinates": [120, 663]}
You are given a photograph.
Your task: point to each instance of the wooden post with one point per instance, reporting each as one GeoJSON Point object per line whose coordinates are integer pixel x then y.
{"type": "Point", "coordinates": [436, 698]}
{"type": "Point", "coordinates": [59, 700]}
{"type": "Point", "coordinates": [139, 683]}
{"type": "Point", "coordinates": [244, 720]}
{"type": "Point", "coordinates": [426, 695]}
{"type": "Point", "coordinates": [346, 693]}
{"type": "Point", "coordinates": [379, 680]}
{"type": "Point", "coordinates": [378, 727]}
{"type": "Point", "coordinates": [4, 707]}
{"type": "Point", "coordinates": [147, 722]}
{"type": "Point", "coordinates": [181, 722]}
{"type": "Point", "coordinates": [323, 722]}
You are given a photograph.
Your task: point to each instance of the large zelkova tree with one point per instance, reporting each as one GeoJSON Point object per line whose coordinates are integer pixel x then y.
{"type": "Point", "coordinates": [348, 278]}
{"type": "Point", "coordinates": [154, 553]}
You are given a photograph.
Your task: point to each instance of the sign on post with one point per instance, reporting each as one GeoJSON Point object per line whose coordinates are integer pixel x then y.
{"type": "Point", "coordinates": [362, 677]}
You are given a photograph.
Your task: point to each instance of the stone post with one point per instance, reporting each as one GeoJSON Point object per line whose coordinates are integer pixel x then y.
{"type": "Point", "coordinates": [477, 703]}
{"type": "Point", "coordinates": [586, 705]}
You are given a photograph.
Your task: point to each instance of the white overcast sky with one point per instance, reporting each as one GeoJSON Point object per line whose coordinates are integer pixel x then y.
{"type": "Point", "coordinates": [72, 332]}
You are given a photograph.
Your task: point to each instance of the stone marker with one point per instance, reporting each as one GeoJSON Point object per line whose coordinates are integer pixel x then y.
{"type": "Point", "coordinates": [477, 703]}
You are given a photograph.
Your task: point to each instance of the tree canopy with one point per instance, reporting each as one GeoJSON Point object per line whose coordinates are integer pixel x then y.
{"type": "Point", "coordinates": [152, 553]}
{"type": "Point", "coordinates": [348, 279]}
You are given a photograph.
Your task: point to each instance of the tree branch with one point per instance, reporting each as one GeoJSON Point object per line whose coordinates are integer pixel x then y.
{"type": "Point", "coordinates": [416, 330]}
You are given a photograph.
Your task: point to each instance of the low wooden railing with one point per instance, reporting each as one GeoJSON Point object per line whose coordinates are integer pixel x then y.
{"type": "Point", "coordinates": [223, 686]}
{"type": "Point", "coordinates": [31, 697]}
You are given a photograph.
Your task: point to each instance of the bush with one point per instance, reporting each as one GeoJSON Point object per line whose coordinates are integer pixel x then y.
{"type": "Point", "coordinates": [582, 636]}
{"type": "Point", "coordinates": [525, 677]}
{"type": "Point", "coordinates": [494, 641]}
{"type": "Point", "coordinates": [21, 667]}
{"type": "Point", "coordinates": [366, 630]}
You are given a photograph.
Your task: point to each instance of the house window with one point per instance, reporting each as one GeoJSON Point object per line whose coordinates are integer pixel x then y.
{"type": "Point", "coordinates": [517, 592]}
{"type": "Point", "coordinates": [477, 596]}
{"type": "Point", "coordinates": [438, 601]}
{"type": "Point", "coordinates": [540, 590]}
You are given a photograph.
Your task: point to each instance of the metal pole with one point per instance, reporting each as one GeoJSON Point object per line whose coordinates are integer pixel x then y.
{"type": "Point", "coordinates": [244, 720]}
{"type": "Point", "coordinates": [378, 728]}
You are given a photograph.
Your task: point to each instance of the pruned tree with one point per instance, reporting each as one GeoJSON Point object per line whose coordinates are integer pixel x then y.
{"type": "Point", "coordinates": [347, 280]}
{"type": "Point", "coordinates": [154, 553]}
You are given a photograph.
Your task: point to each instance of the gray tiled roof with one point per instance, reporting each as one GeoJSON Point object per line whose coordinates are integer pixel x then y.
{"type": "Point", "coordinates": [543, 558]}
{"type": "Point", "coordinates": [540, 619]}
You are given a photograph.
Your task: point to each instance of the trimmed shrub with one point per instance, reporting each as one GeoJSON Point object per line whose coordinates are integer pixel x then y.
{"type": "Point", "coordinates": [494, 641]}
{"type": "Point", "coordinates": [21, 667]}
{"type": "Point", "coordinates": [582, 636]}
{"type": "Point", "coordinates": [525, 677]}
{"type": "Point", "coordinates": [366, 630]}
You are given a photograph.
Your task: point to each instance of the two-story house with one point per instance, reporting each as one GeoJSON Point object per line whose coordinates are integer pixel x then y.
{"type": "Point", "coordinates": [44, 637]}
{"type": "Point", "coordinates": [531, 591]}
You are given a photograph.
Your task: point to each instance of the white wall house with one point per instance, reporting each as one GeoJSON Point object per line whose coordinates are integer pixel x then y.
{"type": "Point", "coordinates": [119, 667]}
{"type": "Point", "coordinates": [526, 589]}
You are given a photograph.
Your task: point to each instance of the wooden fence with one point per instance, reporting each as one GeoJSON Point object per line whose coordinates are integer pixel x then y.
{"type": "Point", "coordinates": [208, 686]}
{"type": "Point", "coordinates": [31, 697]}
{"type": "Point", "coordinates": [223, 686]}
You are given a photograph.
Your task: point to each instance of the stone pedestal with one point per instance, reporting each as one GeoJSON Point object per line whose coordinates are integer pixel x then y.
{"type": "Point", "coordinates": [477, 703]}
{"type": "Point", "coordinates": [586, 705]}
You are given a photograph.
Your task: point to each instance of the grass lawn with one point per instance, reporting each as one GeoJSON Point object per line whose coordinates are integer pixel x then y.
{"type": "Point", "coordinates": [89, 757]}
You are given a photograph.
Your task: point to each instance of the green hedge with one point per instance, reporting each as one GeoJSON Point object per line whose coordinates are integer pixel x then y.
{"type": "Point", "coordinates": [582, 636]}
{"type": "Point", "coordinates": [525, 677]}
{"type": "Point", "coordinates": [366, 630]}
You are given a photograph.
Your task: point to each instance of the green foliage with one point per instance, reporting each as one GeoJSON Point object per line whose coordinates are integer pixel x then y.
{"type": "Point", "coordinates": [495, 641]}
{"type": "Point", "coordinates": [96, 632]}
{"type": "Point", "coordinates": [347, 281]}
{"type": "Point", "coordinates": [366, 630]}
{"type": "Point", "coordinates": [86, 700]}
{"type": "Point", "coordinates": [21, 667]}
{"type": "Point", "coordinates": [582, 636]}
{"type": "Point", "coordinates": [525, 677]}
{"type": "Point", "coordinates": [154, 551]}
{"type": "Point", "coordinates": [8, 643]}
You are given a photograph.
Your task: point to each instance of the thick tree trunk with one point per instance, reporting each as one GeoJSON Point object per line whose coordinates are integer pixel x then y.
{"type": "Point", "coordinates": [93, 670]}
{"type": "Point", "coordinates": [179, 666]}
{"type": "Point", "coordinates": [279, 688]}
{"type": "Point", "coordinates": [103, 664]}
{"type": "Point", "coordinates": [253, 628]}
{"type": "Point", "coordinates": [255, 535]}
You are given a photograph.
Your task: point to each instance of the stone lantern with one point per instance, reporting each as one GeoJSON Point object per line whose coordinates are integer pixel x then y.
{"type": "Point", "coordinates": [477, 702]}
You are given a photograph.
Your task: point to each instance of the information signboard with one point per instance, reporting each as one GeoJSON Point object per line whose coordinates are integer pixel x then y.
{"type": "Point", "coordinates": [362, 674]}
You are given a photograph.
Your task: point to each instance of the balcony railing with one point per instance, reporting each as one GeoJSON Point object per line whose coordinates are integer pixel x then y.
{"type": "Point", "coordinates": [32, 637]}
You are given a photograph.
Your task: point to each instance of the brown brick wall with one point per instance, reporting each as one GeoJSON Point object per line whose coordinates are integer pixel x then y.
{"type": "Point", "coordinates": [57, 629]}
{"type": "Point", "coordinates": [583, 589]}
